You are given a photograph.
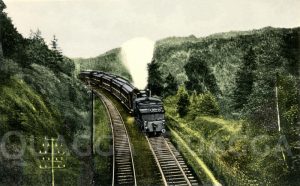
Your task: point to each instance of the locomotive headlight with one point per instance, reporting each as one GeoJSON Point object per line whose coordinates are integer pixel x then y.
{"type": "Point", "coordinates": [145, 123]}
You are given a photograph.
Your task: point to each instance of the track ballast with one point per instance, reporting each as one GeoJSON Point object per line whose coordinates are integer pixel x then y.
{"type": "Point", "coordinates": [172, 167]}
{"type": "Point", "coordinates": [123, 165]}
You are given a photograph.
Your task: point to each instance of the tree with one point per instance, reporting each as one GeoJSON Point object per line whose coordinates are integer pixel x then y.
{"type": "Point", "coordinates": [37, 50]}
{"type": "Point", "coordinates": [57, 53]}
{"type": "Point", "coordinates": [200, 76]}
{"type": "Point", "coordinates": [203, 104]}
{"type": "Point", "coordinates": [183, 101]}
{"type": "Point", "coordinates": [171, 86]}
{"type": "Point", "coordinates": [244, 80]}
{"type": "Point", "coordinates": [155, 82]}
{"type": "Point", "coordinates": [11, 42]}
{"type": "Point", "coordinates": [54, 45]}
{"type": "Point", "coordinates": [208, 104]}
{"type": "Point", "coordinates": [57, 58]}
{"type": "Point", "coordinates": [2, 7]}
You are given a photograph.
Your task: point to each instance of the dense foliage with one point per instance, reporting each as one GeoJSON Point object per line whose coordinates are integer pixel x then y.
{"type": "Point", "coordinates": [154, 79]}
{"type": "Point", "coordinates": [251, 76]}
{"type": "Point", "coordinates": [183, 102]}
{"type": "Point", "coordinates": [203, 104]}
{"type": "Point", "coordinates": [239, 68]}
{"type": "Point", "coordinates": [39, 96]}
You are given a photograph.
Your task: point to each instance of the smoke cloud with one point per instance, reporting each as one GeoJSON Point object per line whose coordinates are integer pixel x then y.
{"type": "Point", "coordinates": [136, 54]}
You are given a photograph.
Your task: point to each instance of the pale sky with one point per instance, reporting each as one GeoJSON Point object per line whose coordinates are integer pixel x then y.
{"type": "Point", "coordinates": [88, 28]}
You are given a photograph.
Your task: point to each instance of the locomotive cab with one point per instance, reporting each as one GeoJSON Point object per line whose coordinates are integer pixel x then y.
{"type": "Point", "coordinates": [150, 114]}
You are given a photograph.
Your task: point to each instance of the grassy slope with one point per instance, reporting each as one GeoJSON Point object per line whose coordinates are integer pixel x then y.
{"type": "Point", "coordinates": [225, 148]}
{"type": "Point", "coordinates": [20, 102]}
{"type": "Point", "coordinates": [102, 145]}
{"type": "Point", "coordinates": [39, 96]}
{"type": "Point", "coordinates": [23, 109]}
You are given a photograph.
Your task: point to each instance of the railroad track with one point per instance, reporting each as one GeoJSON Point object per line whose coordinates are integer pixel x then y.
{"type": "Point", "coordinates": [123, 165]}
{"type": "Point", "coordinates": [172, 167]}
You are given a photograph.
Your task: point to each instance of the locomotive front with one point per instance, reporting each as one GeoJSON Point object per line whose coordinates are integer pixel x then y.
{"type": "Point", "coordinates": [150, 115]}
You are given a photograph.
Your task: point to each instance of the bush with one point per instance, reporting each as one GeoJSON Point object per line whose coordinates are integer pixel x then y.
{"type": "Point", "coordinates": [8, 68]}
{"type": "Point", "coordinates": [204, 104]}
{"type": "Point", "coordinates": [183, 101]}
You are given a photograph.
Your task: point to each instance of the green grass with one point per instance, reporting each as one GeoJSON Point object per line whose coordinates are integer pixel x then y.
{"type": "Point", "coordinates": [102, 145]}
{"type": "Point", "coordinates": [207, 153]}
{"type": "Point", "coordinates": [22, 108]}
{"type": "Point", "coordinates": [194, 160]}
{"type": "Point", "coordinates": [222, 149]}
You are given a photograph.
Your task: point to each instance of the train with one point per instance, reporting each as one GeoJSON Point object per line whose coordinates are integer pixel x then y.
{"type": "Point", "coordinates": [148, 111]}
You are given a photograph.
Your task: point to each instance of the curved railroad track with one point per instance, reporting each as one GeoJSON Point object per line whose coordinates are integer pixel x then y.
{"type": "Point", "coordinates": [123, 165]}
{"type": "Point", "coordinates": [171, 165]}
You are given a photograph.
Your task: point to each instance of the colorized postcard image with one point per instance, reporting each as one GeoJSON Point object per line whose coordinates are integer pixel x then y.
{"type": "Point", "coordinates": [149, 92]}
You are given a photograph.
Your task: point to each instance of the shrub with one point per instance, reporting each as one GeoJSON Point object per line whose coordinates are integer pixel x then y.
{"type": "Point", "coordinates": [205, 104]}
{"type": "Point", "coordinates": [183, 102]}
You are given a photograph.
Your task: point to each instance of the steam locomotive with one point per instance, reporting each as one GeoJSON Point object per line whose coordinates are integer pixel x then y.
{"type": "Point", "coordinates": [148, 111]}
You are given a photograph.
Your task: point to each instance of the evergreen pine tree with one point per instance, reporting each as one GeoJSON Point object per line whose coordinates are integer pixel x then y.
{"type": "Point", "coordinates": [171, 86]}
{"type": "Point", "coordinates": [200, 77]}
{"type": "Point", "coordinates": [57, 57]}
{"type": "Point", "coordinates": [57, 52]}
{"type": "Point", "coordinates": [155, 82]}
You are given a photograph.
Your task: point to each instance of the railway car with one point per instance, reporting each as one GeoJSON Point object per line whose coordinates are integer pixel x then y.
{"type": "Point", "coordinates": [148, 111]}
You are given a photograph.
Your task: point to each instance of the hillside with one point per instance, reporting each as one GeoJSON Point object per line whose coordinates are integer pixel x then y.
{"type": "Point", "coordinates": [40, 96]}
{"type": "Point", "coordinates": [238, 99]}
{"type": "Point", "coordinates": [225, 59]}
{"type": "Point", "coordinates": [109, 62]}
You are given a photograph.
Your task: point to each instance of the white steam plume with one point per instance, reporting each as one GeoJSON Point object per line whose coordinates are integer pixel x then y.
{"type": "Point", "coordinates": [136, 54]}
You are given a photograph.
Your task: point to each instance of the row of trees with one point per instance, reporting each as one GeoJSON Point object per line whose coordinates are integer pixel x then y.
{"type": "Point", "coordinates": [200, 77]}
{"type": "Point", "coordinates": [32, 50]}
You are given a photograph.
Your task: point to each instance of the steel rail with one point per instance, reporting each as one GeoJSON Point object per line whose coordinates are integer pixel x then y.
{"type": "Point", "coordinates": [173, 171]}
{"type": "Point", "coordinates": [123, 164]}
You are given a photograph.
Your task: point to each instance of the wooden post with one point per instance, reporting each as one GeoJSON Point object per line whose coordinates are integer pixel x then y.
{"type": "Point", "coordinates": [277, 104]}
{"type": "Point", "coordinates": [52, 160]}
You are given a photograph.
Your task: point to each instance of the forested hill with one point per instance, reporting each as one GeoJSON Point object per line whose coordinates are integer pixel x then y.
{"type": "Point", "coordinates": [110, 61]}
{"type": "Point", "coordinates": [239, 92]}
{"type": "Point", "coordinates": [237, 67]}
{"type": "Point", "coordinates": [39, 96]}
{"type": "Point", "coordinates": [28, 65]}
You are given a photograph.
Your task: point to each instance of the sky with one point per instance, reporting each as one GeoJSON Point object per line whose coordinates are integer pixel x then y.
{"type": "Point", "coordinates": [87, 28]}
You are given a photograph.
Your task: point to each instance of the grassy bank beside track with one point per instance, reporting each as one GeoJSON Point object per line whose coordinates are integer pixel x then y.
{"type": "Point", "coordinates": [146, 170]}
{"type": "Point", "coordinates": [102, 145]}
{"type": "Point", "coordinates": [200, 168]}
{"type": "Point", "coordinates": [205, 157]}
